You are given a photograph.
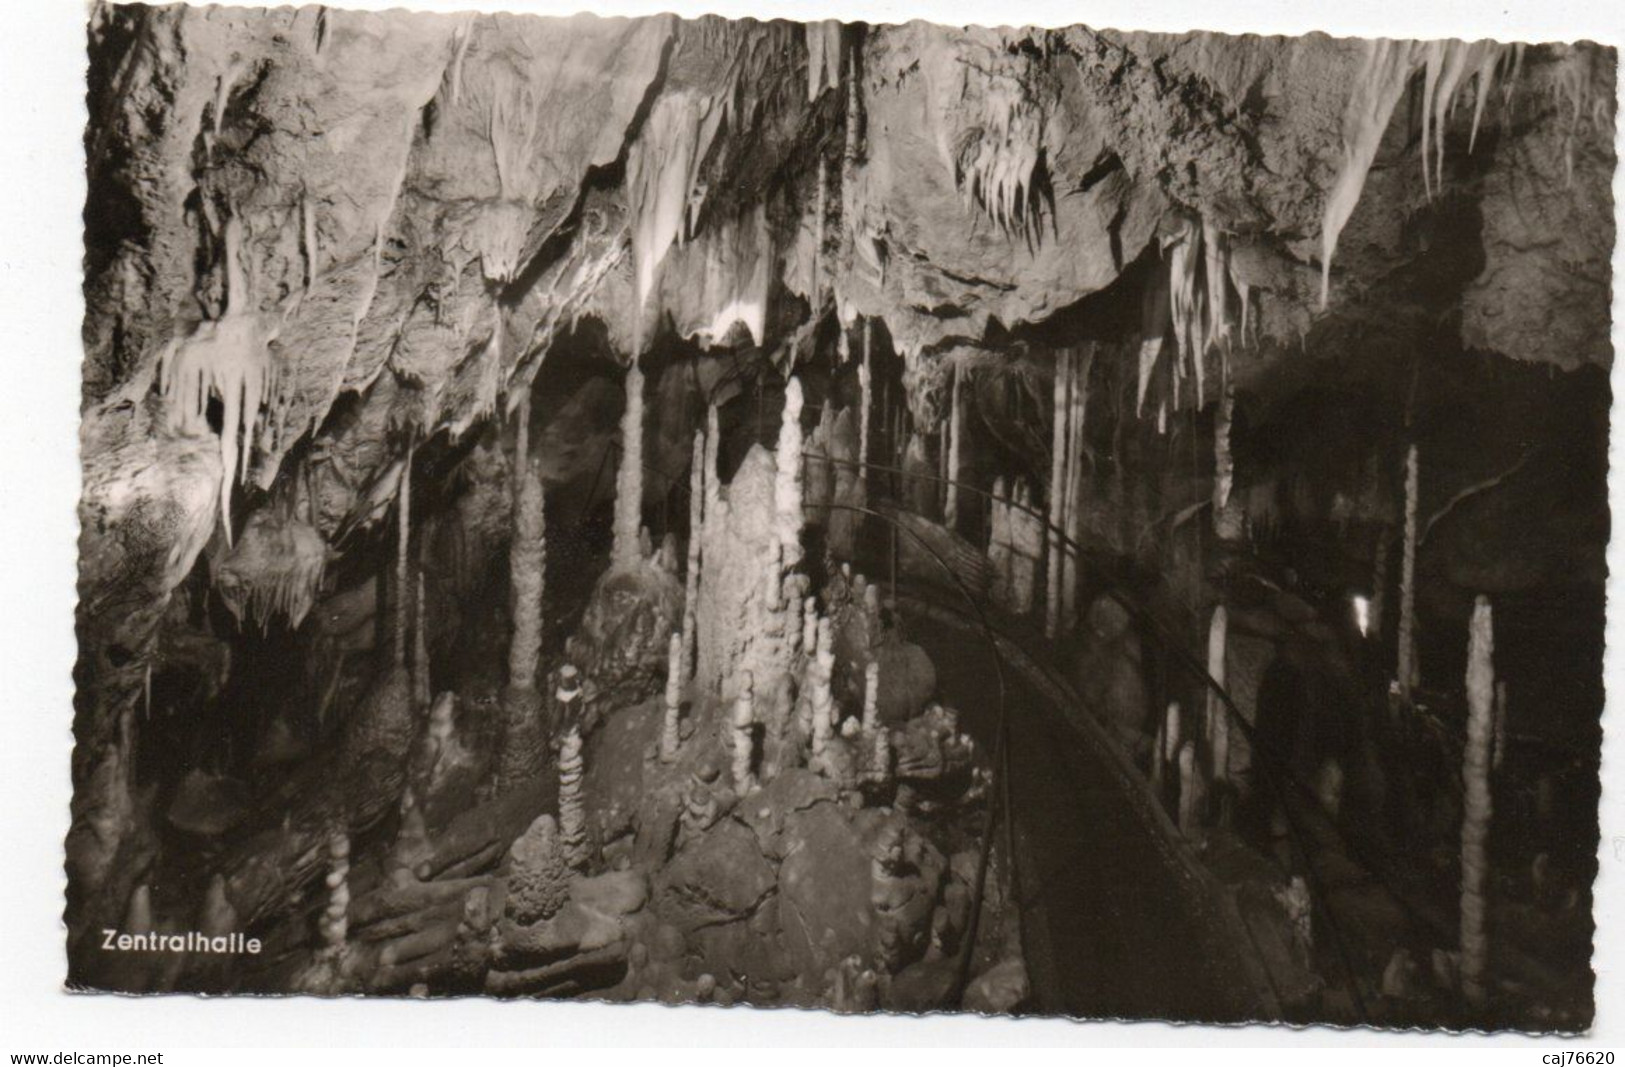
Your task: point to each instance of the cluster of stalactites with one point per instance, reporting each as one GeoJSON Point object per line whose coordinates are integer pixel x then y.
{"type": "Point", "coordinates": [275, 570]}
{"type": "Point", "coordinates": [662, 178]}
{"type": "Point", "coordinates": [229, 359]}
{"type": "Point", "coordinates": [1385, 73]}
{"type": "Point", "coordinates": [1193, 301]}
{"type": "Point", "coordinates": [998, 175]}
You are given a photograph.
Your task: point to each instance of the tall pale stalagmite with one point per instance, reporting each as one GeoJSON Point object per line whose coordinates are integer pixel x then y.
{"type": "Point", "coordinates": [572, 803]}
{"type": "Point", "coordinates": [1057, 502]}
{"type": "Point", "coordinates": [691, 580]}
{"type": "Point", "coordinates": [670, 723]}
{"type": "Point", "coordinates": [1475, 825]}
{"type": "Point", "coordinates": [403, 558]}
{"type": "Point", "coordinates": [629, 477]}
{"type": "Point", "coordinates": [1078, 364]}
{"type": "Point", "coordinates": [1407, 673]}
{"type": "Point", "coordinates": [743, 731]}
{"type": "Point", "coordinates": [956, 429]}
{"type": "Point", "coordinates": [1227, 518]}
{"type": "Point", "coordinates": [527, 559]}
{"type": "Point", "coordinates": [787, 487]}
{"type": "Point", "coordinates": [866, 400]}
{"type": "Point", "coordinates": [1218, 720]}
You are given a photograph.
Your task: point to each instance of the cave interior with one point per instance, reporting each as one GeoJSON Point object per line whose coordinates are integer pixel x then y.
{"type": "Point", "coordinates": [897, 517]}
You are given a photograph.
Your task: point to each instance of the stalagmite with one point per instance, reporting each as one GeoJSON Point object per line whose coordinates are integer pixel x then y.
{"type": "Point", "coordinates": [865, 403]}
{"type": "Point", "coordinates": [956, 420]}
{"type": "Point", "coordinates": [566, 695]}
{"type": "Point", "coordinates": [823, 700]}
{"type": "Point", "coordinates": [809, 627]}
{"type": "Point", "coordinates": [1379, 85]}
{"type": "Point", "coordinates": [787, 487]}
{"type": "Point", "coordinates": [713, 444]}
{"type": "Point", "coordinates": [572, 804]}
{"type": "Point", "coordinates": [527, 559]}
{"type": "Point", "coordinates": [1475, 826]}
{"type": "Point", "coordinates": [229, 359]}
{"type": "Point", "coordinates": [1407, 583]}
{"type": "Point", "coordinates": [880, 756]}
{"type": "Point", "coordinates": [523, 753]}
{"type": "Point", "coordinates": [691, 579]}
{"type": "Point", "coordinates": [334, 925]}
{"type": "Point", "coordinates": [1078, 364]}
{"type": "Point", "coordinates": [1218, 720]}
{"type": "Point", "coordinates": [1190, 790]}
{"type": "Point", "coordinates": [403, 558]}
{"type": "Point", "coordinates": [871, 698]}
{"type": "Point", "coordinates": [1227, 518]}
{"type": "Point", "coordinates": [629, 478]}
{"type": "Point", "coordinates": [1166, 754]}
{"type": "Point", "coordinates": [216, 916]}
{"type": "Point", "coordinates": [743, 739]}
{"type": "Point", "coordinates": [1057, 503]}
{"type": "Point", "coordinates": [674, 691]}
{"type": "Point", "coordinates": [138, 912]}
{"type": "Point", "coordinates": [1026, 532]}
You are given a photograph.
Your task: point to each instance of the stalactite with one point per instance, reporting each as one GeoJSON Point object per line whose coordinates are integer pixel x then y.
{"type": "Point", "coordinates": [823, 56]}
{"type": "Point", "coordinates": [572, 803]}
{"type": "Point", "coordinates": [629, 478]}
{"type": "Point", "coordinates": [743, 726]}
{"type": "Point", "coordinates": [274, 571]}
{"type": "Point", "coordinates": [1407, 580]}
{"type": "Point", "coordinates": [1218, 721]}
{"type": "Point", "coordinates": [1475, 826]}
{"type": "Point", "coordinates": [691, 578]}
{"type": "Point", "coordinates": [671, 718]}
{"type": "Point", "coordinates": [787, 485]}
{"type": "Point", "coordinates": [998, 176]}
{"type": "Point", "coordinates": [1380, 83]}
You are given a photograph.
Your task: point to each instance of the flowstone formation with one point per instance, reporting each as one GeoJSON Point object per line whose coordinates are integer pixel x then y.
{"type": "Point", "coordinates": [821, 514]}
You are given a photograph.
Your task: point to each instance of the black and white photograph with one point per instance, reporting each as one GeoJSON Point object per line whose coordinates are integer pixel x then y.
{"type": "Point", "coordinates": [868, 516]}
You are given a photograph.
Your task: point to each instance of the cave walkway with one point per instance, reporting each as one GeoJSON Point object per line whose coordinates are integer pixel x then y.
{"type": "Point", "coordinates": [1119, 919]}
